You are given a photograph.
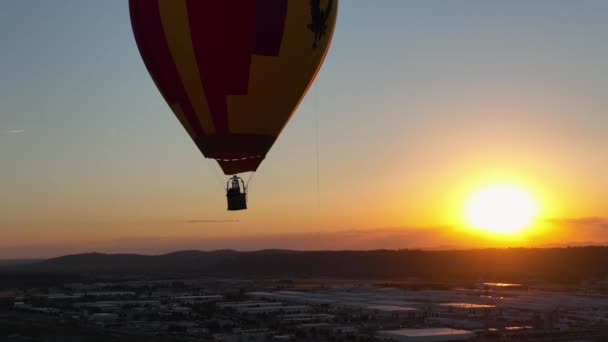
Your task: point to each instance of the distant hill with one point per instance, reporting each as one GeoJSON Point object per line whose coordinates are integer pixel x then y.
{"type": "Point", "coordinates": [98, 263]}
{"type": "Point", "coordinates": [17, 262]}
{"type": "Point", "coordinates": [555, 264]}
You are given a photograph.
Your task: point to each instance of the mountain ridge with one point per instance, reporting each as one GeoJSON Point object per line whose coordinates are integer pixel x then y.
{"type": "Point", "coordinates": [564, 264]}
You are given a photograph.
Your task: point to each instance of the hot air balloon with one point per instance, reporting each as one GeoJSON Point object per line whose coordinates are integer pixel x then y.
{"type": "Point", "coordinates": [233, 72]}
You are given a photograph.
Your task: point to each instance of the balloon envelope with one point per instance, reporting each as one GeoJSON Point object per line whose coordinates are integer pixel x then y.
{"type": "Point", "coordinates": [233, 72]}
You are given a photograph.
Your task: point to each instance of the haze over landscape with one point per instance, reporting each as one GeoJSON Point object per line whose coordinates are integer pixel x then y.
{"type": "Point", "coordinates": [420, 104]}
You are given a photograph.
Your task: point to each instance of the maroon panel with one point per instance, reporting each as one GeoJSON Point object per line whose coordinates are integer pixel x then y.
{"type": "Point", "coordinates": [225, 35]}
{"type": "Point", "coordinates": [207, 32]}
{"type": "Point", "coordinates": [150, 37]}
{"type": "Point", "coordinates": [238, 30]}
{"type": "Point", "coordinates": [270, 16]}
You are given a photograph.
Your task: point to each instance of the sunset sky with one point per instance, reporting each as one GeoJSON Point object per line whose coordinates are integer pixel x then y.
{"type": "Point", "coordinates": [419, 103]}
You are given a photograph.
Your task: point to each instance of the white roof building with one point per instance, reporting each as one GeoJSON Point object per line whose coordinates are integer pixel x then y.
{"type": "Point", "coordinates": [238, 305]}
{"type": "Point", "coordinates": [198, 299]}
{"type": "Point", "coordinates": [427, 335]}
{"type": "Point", "coordinates": [274, 309]}
{"type": "Point", "coordinates": [394, 310]}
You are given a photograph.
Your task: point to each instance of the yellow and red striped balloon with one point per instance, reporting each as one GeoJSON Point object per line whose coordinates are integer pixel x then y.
{"type": "Point", "coordinates": [233, 71]}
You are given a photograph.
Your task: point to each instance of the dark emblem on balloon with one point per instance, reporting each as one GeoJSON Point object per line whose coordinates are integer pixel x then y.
{"type": "Point", "coordinates": [318, 19]}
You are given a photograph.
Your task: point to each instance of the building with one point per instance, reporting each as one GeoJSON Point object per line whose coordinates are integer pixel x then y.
{"type": "Point", "coordinates": [274, 309]}
{"type": "Point", "coordinates": [103, 317]}
{"type": "Point", "coordinates": [394, 311]}
{"type": "Point", "coordinates": [303, 318]}
{"type": "Point", "coordinates": [252, 335]}
{"type": "Point", "coordinates": [199, 299]}
{"type": "Point", "coordinates": [248, 304]}
{"type": "Point", "coordinates": [427, 335]}
{"type": "Point", "coordinates": [466, 308]}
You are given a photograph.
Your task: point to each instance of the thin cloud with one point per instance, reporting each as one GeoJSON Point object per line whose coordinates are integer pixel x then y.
{"type": "Point", "coordinates": [599, 222]}
{"type": "Point", "coordinates": [212, 221]}
{"type": "Point", "coordinates": [15, 131]}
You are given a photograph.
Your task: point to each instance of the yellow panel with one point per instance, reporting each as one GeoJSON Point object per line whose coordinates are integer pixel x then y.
{"type": "Point", "coordinates": [276, 84]}
{"type": "Point", "coordinates": [174, 15]}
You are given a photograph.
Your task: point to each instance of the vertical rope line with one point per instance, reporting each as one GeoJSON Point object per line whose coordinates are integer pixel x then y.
{"type": "Point", "coordinates": [317, 145]}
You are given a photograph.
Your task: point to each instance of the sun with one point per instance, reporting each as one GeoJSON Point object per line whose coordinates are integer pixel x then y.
{"type": "Point", "coordinates": [501, 208]}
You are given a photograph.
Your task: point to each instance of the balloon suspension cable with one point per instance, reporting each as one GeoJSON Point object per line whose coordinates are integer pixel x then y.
{"type": "Point", "coordinates": [249, 179]}
{"type": "Point", "coordinates": [213, 169]}
{"type": "Point", "coordinates": [316, 95]}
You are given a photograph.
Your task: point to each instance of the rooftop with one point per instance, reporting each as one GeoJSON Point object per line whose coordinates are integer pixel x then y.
{"type": "Point", "coordinates": [391, 308]}
{"type": "Point", "coordinates": [468, 305]}
{"type": "Point", "coordinates": [428, 334]}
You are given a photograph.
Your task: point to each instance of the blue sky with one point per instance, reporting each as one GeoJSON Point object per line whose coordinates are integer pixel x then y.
{"type": "Point", "coordinates": [426, 97]}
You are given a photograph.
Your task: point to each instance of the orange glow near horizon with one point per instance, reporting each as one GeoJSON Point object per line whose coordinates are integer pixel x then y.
{"type": "Point", "coordinates": [503, 207]}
